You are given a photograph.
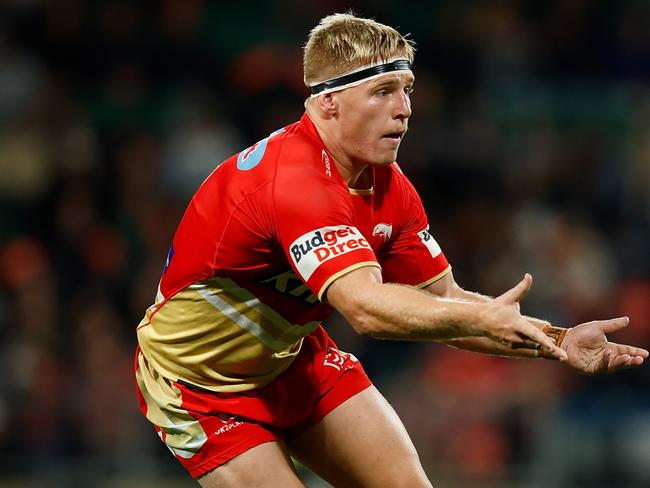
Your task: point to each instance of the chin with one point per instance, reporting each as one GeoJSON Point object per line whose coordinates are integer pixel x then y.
{"type": "Point", "coordinates": [387, 159]}
{"type": "Point", "coordinates": [386, 162]}
{"type": "Point", "coordinates": [379, 158]}
{"type": "Point", "coordinates": [380, 161]}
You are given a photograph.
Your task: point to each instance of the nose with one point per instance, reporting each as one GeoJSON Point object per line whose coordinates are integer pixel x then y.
{"type": "Point", "coordinates": [402, 110]}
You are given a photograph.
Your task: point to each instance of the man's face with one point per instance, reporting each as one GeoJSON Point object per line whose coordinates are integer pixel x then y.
{"type": "Point", "coordinates": [373, 118]}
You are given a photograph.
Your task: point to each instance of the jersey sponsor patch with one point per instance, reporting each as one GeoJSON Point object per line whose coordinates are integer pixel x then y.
{"type": "Point", "coordinates": [288, 282]}
{"type": "Point", "coordinates": [431, 244]}
{"type": "Point", "coordinates": [314, 248]}
{"type": "Point", "coordinates": [326, 162]}
{"type": "Point", "coordinates": [335, 358]}
{"type": "Point", "coordinates": [251, 157]}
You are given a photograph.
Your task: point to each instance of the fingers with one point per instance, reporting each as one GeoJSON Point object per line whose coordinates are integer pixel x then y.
{"type": "Point", "coordinates": [537, 336]}
{"type": "Point", "coordinates": [618, 356]}
{"type": "Point", "coordinates": [526, 344]}
{"type": "Point", "coordinates": [631, 350]}
{"type": "Point", "coordinates": [623, 361]}
{"type": "Point", "coordinates": [516, 293]}
{"type": "Point", "coordinates": [556, 352]}
{"type": "Point", "coordinates": [522, 334]}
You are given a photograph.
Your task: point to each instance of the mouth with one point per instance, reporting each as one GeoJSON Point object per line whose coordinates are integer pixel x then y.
{"type": "Point", "coordinates": [394, 136]}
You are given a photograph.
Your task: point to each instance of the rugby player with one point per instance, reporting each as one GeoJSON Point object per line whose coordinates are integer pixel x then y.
{"type": "Point", "coordinates": [233, 367]}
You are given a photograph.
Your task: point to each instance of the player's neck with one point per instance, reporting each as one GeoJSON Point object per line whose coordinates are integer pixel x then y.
{"type": "Point", "coordinates": [352, 171]}
{"type": "Point", "coordinates": [357, 179]}
{"type": "Point", "coordinates": [353, 174]}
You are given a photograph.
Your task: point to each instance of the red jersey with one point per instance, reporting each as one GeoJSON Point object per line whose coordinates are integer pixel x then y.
{"type": "Point", "coordinates": [263, 237]}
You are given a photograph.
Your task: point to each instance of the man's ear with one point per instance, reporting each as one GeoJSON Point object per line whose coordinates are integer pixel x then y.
{"type": "Point", "coordinates": [328, 104]}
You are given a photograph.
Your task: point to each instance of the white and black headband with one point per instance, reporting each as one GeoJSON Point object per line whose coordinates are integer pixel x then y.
{"type": "Point", "coordinates": [358, 76]}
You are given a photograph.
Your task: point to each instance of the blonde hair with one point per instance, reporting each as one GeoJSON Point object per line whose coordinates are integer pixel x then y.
{"type": "Point", "coordinates": [342, 42]}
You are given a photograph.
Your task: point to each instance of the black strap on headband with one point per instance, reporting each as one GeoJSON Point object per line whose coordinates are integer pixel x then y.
{"type": "Point", "coordinates": [399, 65]}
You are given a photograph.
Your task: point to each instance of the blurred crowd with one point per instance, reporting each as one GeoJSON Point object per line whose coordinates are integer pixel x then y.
{"type": "Point", "coordinates": [530, 146]}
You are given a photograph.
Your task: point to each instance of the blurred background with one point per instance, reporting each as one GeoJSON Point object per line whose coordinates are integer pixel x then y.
{"type": "Point", "coordinates": [530, 146]}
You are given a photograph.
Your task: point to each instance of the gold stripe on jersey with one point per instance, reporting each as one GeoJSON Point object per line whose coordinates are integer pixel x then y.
{"type": "Point", "coordinates": [184, 435]}
{"type": "Point", "coordinates": [284, 331]}
{"type": "Point", "coordinates": [437, 277]}
{"type": "Point", "coordinates": [219, 336]}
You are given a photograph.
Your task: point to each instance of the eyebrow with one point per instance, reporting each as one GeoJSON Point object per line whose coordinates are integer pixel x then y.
{"type": "Point", "coordinates": [390, 81]}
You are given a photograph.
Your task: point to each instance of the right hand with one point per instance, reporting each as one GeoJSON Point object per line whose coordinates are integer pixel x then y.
{"type": "Point", "coordinates": [502, 322]}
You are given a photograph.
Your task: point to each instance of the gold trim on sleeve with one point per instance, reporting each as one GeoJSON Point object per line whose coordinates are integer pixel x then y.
{"type": "Point", "coordinates": [343, 272]}
{"type": "Point", "coordinates": [435, 278]}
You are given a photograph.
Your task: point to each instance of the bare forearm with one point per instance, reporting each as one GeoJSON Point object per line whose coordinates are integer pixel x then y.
{"type": "Point", "coordinates": [391, 311]}
{"type": "Point", "coordinates": [488, 346]}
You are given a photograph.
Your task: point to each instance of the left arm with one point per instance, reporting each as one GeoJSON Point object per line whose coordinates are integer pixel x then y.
{"type": "Point", "coordinates": [586, 345]}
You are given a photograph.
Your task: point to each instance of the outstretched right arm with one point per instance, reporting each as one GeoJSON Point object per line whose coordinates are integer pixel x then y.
{"type": "Point", "coordinates": [390, 311]}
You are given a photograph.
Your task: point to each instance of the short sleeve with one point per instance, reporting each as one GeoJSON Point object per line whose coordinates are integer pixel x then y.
{"type": "Point", "coordinates": [315, 227]}
{"type": "Point", "coordinates": [414, 257]}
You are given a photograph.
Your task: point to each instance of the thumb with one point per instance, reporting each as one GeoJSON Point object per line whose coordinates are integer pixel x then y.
{"type": "Point", "coordinates": [612, 325]}
{"type": "Point", "coordinates": [517, 292]}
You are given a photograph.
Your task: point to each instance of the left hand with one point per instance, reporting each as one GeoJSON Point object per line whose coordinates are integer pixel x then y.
{"type": "Point", "coordinates": [590, 352]}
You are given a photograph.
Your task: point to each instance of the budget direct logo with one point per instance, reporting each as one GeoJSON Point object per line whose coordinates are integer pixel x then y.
{"type": "Point", "coordinates": [311, 250]}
